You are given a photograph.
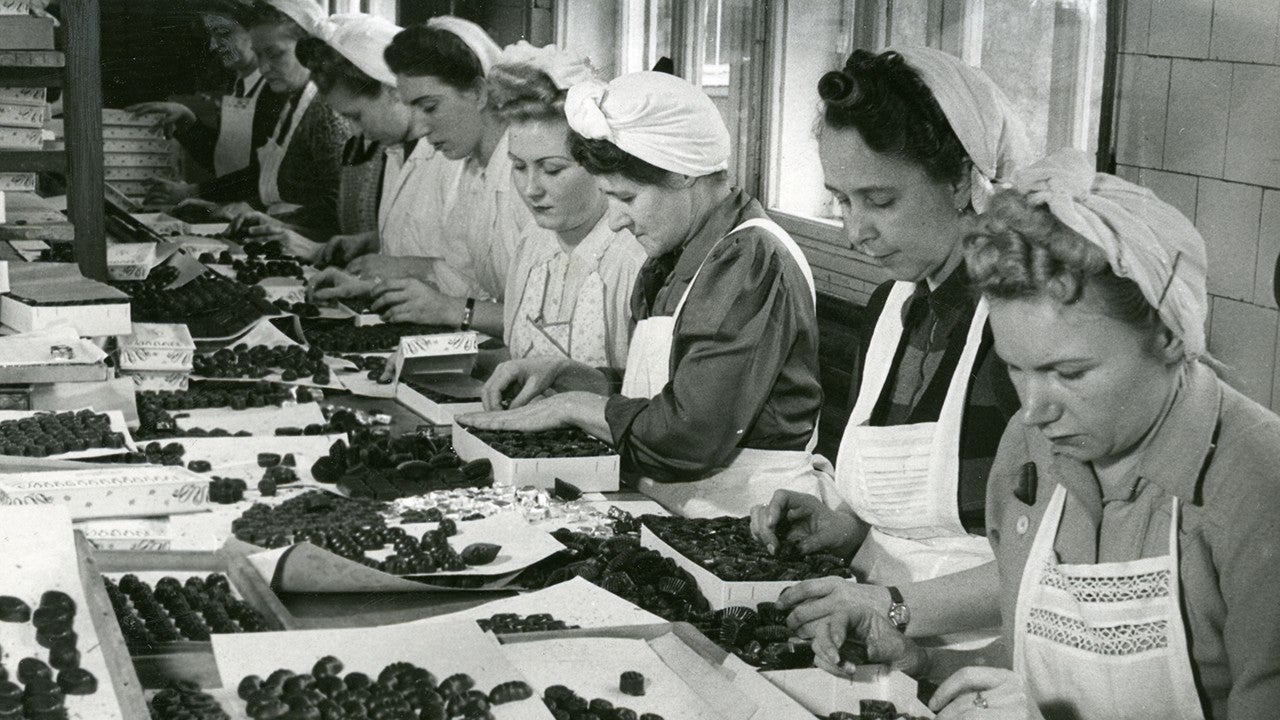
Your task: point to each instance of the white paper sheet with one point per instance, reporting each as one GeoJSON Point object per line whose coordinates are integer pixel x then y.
{"type": "Point", "coordinates": [33, 348]}
{"type": "Point", "coordinates": [591, 667]}
{"type": "Point", "coordinates": [37, 553]}
{"type": "Point", "coordinates": [576, 602]}
{"type": "Point", "coordinates": [444, 649]}
{"type": "Point", "coordinates": [259, 421]}
{"type": "Point", "coordinates": [237, 457]}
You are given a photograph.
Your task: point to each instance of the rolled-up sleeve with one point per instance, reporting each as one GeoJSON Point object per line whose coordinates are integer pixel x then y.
{"type": "Point", "coordinates": [737, 330]}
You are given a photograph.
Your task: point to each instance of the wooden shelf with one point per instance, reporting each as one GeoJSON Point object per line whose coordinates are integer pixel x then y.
{"type": "Point", "coordinates": [33, 160]}
{"type": "Point", "coordinates": [12, 76]}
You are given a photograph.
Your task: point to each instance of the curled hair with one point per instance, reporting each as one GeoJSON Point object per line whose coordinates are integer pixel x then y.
{"type": "Point", "coordinates": [602, 157]}
{"type": "Point", "coordinates": [419, 51]}
{"type": "Point", "coordinates": [329, 69]}
{"type": "Point", "coordinates": [518, 92]}
{"type": "Point", "coordinates": [894, 112]}
{"type": "Point", "coordinates": [233, 10]}
{"type": "Point", "coordinates": [262, 13]}
{"type": "Point", "coordinates": [1021, 251]}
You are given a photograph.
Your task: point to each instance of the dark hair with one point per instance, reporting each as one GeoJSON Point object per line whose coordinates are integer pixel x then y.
{"type": "Point", "coordinates": [263, 13]}
{"type": "Point", "coordinates": [330, 69]}
{"type": "Point", "coordinates": [420, 50]}
{"type": "Point", "coordinates": [894, 111]}
{"type": "Point", "coordinates": [518, 92]}
{"type": "Point", "coordinates": [234, 10]}
{"type": "Point", "coordinates": [602, 157]}
{"type": "Point", "coordinates": [1022, 251]}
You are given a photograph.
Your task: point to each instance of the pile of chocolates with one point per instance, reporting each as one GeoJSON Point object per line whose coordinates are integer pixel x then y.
{"type": "Point", "coordinates": [252, 270]}
{"type": "Point", "coordinates": [176, 611]}
{"type": "Point", "coordinates": [293, 362]}
{"type": "Point", "coordinates": [431, 553]}
{"type": "Point", "coordinates": [726, 547]}
{"type": "Point", "coordinates": [342, 336]}
{"type": "Point", "coordinates": [512, 623]}
{"type": "Point", "coordinates": [308, 513]}
{"type": "Point", "coordinates": [385, 467]}
{"type": "Point", "coordinates": [371, 365]}
{"type": "Point", "coordinates": [874, 710]}
{"type": "Point", "coordinates": [570, 442]}
{"type": "Point", "coordinates": [640, 575]}
{"type": "Point", "coordinates": [565, 703]}
{"type": "Point", "coordinates": [156, 408]}
{"type": "Point", "coordinates": [210, 305]}
{"type": "Point", "coordinates": [55, 433]}
{"type": "Point", "coordinates": [33, 691]}
{"type": "Point", "coordinates": [279, 471]}
{"type": "Point", "coordinates": [184, 700]}
{"type": "Point", "coordinates": [400, 690]}
{"type": "Point", "coordinates": [58, 252]}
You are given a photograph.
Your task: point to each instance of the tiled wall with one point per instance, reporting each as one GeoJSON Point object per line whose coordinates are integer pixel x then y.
{"type": "Point", "coordinates": [1198, 116]}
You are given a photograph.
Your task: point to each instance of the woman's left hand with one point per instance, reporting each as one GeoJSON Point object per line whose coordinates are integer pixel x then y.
{"type": "Point", "coordinates": [387, 267]}
{"type": "Point", "coordinates": [550, 413]}
{"type": "Point", "coordinates": [982, 693]}
{"type": "Point", "coordinates": [409, 300]}
{"type": "Point", "coordinates": [812, 601]}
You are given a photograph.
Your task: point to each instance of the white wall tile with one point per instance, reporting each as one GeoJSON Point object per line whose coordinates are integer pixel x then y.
{"type": "Point", "coordinates": [1228, 214]}
{"type": "Point", "coordinates": [1137, 26]}
{"type": "Point", "coordinates": [1196, 132]}
{"type": "Point", "coordinates": [1244, 30]}
{"type": "Point", "coordinates": [1253, 132]}
{"type": "Point", "coordinates": [1176, 189]}
{"type": "Point", "coordinates": [1180, 28]}
{"type": "Point", "coordinates": [1141, 110]}
{"type": "Point", "coordinates": [1268, 249]}
{"type": "Point", "coordinates": [1244, 338]}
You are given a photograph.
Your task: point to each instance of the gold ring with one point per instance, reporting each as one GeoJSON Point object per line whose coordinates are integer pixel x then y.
{"type": "Point", "coordinates": [979, 701]}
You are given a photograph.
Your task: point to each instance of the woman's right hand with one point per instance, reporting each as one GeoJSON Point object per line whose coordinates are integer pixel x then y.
{"type": "Point", "coordinates": [170, 115]}
{"type": "Point", "coordinates": [162, 192]}
{"type": "Point", "coordinates": [806, 522]}
{"type": "Point", "coordinates": [533, 376]}
{"type": "Point", "coordinates": [875, 637]}
{"type": "Point", "coordinates": [342, 249]}
{"type": "Point", "coordinates": [336, 284]}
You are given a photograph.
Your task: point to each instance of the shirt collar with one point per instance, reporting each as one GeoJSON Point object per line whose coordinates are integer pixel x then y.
{"type": "Point", "coordinates": [716, 224]}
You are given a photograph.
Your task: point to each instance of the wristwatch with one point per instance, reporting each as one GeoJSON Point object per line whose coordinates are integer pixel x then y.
{"type": "Point", "coordinates": [899, 613]}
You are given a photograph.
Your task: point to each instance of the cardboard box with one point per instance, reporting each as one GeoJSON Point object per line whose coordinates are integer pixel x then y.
{"type": "Point", "coordinates": [166, 172]}
{"type": "Point", "coordinates": [118, 116]}
{"type": "Point", "coordinates": [18, 182]}
{"type": "Point", "coordinates": [590, 474]}
{"type": "Point", "coordinates": [31, 58]}
{"type": "Point", "coordinates": [441, 413]}
{"type": "Point", "coordinates": [822, 693]}
{"type": "Point", "coordinates": [719, 593]}
{"type": "Point", "coordinates": [130, 188]}
{"type": "Point", "coordinates": [26, 32]}
{"type": "Point", "coordinates": [131, 261]}
{"type": "Point", "coordinates": [15, 7]}
{"type": "Point", "coordinates": [92, 308]}
{"type": "Point", "coordinates": [21, 95]}
{"type": "Point", "coordinates": [150, 145]}
{"type": "Point", "coordinates": [191, 660]}
{"type": "Point", "coordinates": [157, 346]}
{"type": "Point", "coordinates": [111, 491]}
{"type": "Point", "coordinates": [20, 138]}
{"type": "Point", "coordinates": [441, 353]}
{"type": "Point", "coordinates": [133, 132]}
{"type": "Point", "coordinates": [144, 380]}
{"type": "Point", "coordinates": [15, 115]}
{"type": "Point", "coordinates": [62, 231]}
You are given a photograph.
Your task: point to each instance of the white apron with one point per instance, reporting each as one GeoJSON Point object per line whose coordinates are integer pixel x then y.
{"type": "Point", "coordinates": [752, 475]}
{"type": "Point", "coordinates": [584, 336]}
{"type": "Point", "coordinates": [271, 154]}
{"type": "Point", "coordinates": [903, 479]}
{"type": "Point", "coordinates": [235, 131]}
{"type": "Point", "coordinates": [1105, 640]}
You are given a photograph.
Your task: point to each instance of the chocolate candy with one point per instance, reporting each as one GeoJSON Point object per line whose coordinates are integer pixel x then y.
{"type": "Point", "coordinates": [268, 459]}
{"type": "Point", "coordinates": [31, 669]}
{"type": "Point", "coordinates": [342, 336]}
{"type": "Point", "coordinates": [267, 487]}
{"type": "Point", "coordinates": [211, 306]}
{"type": "Point", "coordinates": [14, 610]}
{"type": "Point", "coordinates": [185, 701]}
{"type": "Point", "coordinates": [631, 683]}
{"type": "Point", "coordinates": [77, 681]}
{"type": "Point", "coordinates": [200, 466]}
{"type": "Point", "coordinates": [511, 623]}
{"type": "Point", "coordinates": [726, 547]}
{"type": "Point", "coordinates": [226, 491]}
{"type": "Point", "coordinates": [565, 703]}
{"type": "Point", "coordinates": [175, 611]}
{"type": "Point", "coordinates": [55, 433]}
{"type": "Point", "coordinates": [570, 442]}
{"type": "Point", "coordinates": [480, 553]}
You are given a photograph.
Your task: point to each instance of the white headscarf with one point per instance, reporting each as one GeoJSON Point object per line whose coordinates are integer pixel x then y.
{"type": "Point", "coordinates": [981, 115]}
{"type": "Point", "coordinates": [307, 13]}
{"type": "Point", "coordinates": [1145, 239]}
{"type": "Point", "coordinates": [566, 68]}
{"type": "Point", "coordinates": [659, 118]}
{"type": "Point", "coordinates": [362, 39]}
{"type": "Point", "coordinates": [472, 35]}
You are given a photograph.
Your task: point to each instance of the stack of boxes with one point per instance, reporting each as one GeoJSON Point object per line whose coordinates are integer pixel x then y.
{"type": "Point", "coordinates": [157, 356]}
{"type": "Point", "coordinates": [25, 41]}
{"type": "Point", "coordinates": [135, 150]}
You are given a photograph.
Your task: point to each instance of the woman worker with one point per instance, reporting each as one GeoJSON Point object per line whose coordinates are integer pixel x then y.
{"type": "Point", "coordinates": [348, 68]}
{"type": "Point", "coordinates": [910, 141]}
{"type": "Point", "coordinates": [459, 277]}
{"type": "Point", "coordinates": [1132, 506]}
{"type": "Point", "coordinates": [721, 395]}
{"type": "Point", "coordinates": [569, 290]}
{"type": "Point", "coordinates": [247, 113]}
{"type": "Point", "coordinates": [300, 163]}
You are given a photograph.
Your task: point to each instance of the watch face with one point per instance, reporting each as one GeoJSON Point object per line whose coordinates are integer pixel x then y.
{"type": "Point", "coordinates": [899, 615]}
